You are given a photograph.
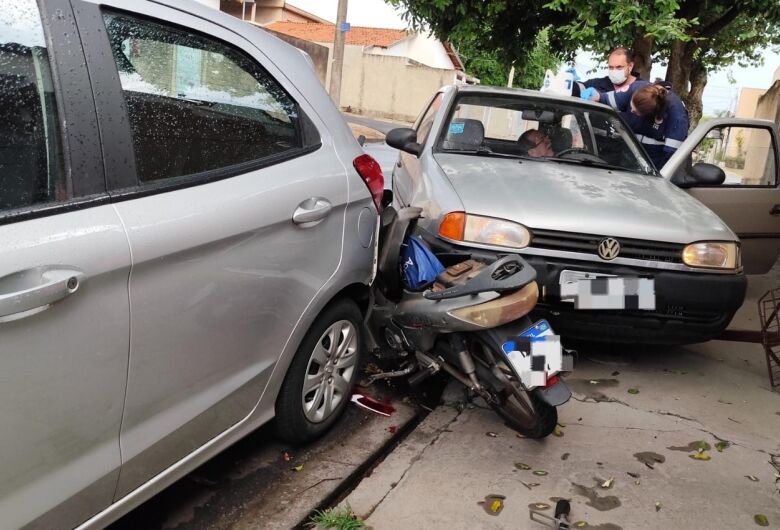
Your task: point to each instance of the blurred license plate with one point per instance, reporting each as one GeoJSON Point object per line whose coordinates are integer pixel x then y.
{"type": "Point", "coordinates": [590, 290]}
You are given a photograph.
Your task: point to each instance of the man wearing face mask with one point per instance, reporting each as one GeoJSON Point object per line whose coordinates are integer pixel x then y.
{"type": "Point", "coordinates": [621, 79]}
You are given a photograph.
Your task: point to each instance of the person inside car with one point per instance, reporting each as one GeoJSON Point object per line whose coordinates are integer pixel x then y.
{"type": "Point", "coordinates": [535, 143]}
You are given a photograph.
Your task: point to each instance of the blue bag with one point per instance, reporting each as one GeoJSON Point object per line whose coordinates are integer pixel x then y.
{"type": "Point", "coordinates": [419, 266]}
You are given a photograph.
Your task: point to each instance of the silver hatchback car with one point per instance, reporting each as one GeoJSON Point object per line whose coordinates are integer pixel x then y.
{"type": "Point", "coordinates": [623, 252]}
{"type": "Point", "coordinates": [187, 234]}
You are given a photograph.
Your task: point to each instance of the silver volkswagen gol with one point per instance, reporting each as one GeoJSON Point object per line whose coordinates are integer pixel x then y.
{"type": "Point", "coordinates": [623, 253]}
{"type": "Point", "coordinates": [187, 227]}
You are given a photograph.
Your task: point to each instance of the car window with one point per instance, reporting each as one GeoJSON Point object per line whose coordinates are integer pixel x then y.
{"type": "Point", "coordinates": [502, 125]}
{"type": "Point", "coordinates": [427, 120]}
{"type": "Point", "coordinates": [31, 163]}
{"type": "Point", "coordinates": [196, 104]}
{"type": "Point", "coordinates": [745, 154]}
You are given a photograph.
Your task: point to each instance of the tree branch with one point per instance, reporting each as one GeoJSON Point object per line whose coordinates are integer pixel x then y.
{"type": "Point", "coordinates": [718, 24]}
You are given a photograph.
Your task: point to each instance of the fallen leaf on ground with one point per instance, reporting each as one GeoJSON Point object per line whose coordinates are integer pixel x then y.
{"type": "Point", "coordinates": [703, 446]}
{"type": "Point", "coordinates": [657, 506]}
{"type": "Point", "coordinates": [491, 434]}
{"type": "Point", "coordinates": [633, 475]}
{"type": "Point", "coordinates": [524, 467]}
{"type": "Point", "coordinates": [299, 467]}
{"type": "Point", "coordinates": [540, 473]}
{"type": "Point", "coordinates": [725, 402]}
{"type": "Point", "coordinates": [751, 478]}
{"type": "Point", "coordinates": [557, 431]}
{"type": "Point", "coordinates": [761, 519]}
{"type": "Point", "coordinates": [633, 391]}
{"type": "Point", "coordinates": [636, 482]}
{"type": "Point", "coordinates": [407, 400]}
{"type": "Point", "coordinates": [392, 429]}
{"type": "Point", "coordinates": [564, 456]}
{"type": "Point", "coordinates": [285, 456]}
{"type": "Point", "coordinates": [534, 484]}
{"type": "Point", "coordinates": [493, 504]}
{"type": "Point", "coordinates": [720, 446]}
{"type": "Point", "coordinates": [615, 373]}
{"type": "Point", "coordinates": [541, 506]}
{"type": "Point", "coordinates": [580, 524]}
{"type": "Point", "coordinates": [702, 455]}
{"type": "Point", "coordinates": [593, 382]}
{"type": "Point", "coordinates": [560, 423]}
{"type": "Point", "coordinates": [607, 483]}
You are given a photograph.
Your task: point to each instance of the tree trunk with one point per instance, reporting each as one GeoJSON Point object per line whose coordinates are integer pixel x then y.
{"type": "Point", "coordinates": [693, 101]}
{"type": "Point", "coordinates": [643, 47]}
{"type": "Point", "coordinates": [678, 72]}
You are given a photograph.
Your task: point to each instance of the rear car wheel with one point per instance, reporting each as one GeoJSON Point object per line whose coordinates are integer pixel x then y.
{"type": "Point", "coordinates": [320, 379]}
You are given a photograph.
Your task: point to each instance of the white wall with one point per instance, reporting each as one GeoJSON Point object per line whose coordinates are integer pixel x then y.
{"type": "Point", "coordinates": [214, 4]}
{"type": "Point", "coordinates": [422, 48]}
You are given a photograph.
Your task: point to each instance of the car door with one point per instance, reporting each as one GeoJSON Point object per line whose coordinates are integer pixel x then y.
{"type": "Point", "coordinates": [748, 200]}
{"type": "Point", "coordinates": [64, 266]}
{"type": "Point", "coordinates": [234, 207]}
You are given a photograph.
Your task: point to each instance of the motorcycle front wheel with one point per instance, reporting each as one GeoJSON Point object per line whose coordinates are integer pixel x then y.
{"type": "Point", "coordinates": [522, 410]}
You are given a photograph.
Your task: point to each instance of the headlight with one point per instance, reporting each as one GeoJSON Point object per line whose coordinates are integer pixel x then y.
{"type": "Point", "coordinates": [712, 255]}
{"type": "Point", "coordinates": [460, 226]}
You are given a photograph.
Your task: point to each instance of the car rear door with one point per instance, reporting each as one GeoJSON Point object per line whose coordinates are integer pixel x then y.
{"type": "Point", "coordinates": [748, 200]}
{"type": "Point", "coordinates": [64, 266]}
{"type": "Point", "coordinates": [234, 207]}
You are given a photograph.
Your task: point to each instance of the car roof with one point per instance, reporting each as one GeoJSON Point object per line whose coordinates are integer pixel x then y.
{"type": "Point", "coordinates": [532, 94]}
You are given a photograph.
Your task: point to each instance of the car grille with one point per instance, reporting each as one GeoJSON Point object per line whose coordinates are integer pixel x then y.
{"type": "Point", "coordinates": [588, 244]}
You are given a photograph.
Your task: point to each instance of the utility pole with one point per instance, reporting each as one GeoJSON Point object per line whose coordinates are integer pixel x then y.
{"type": "Point", "coordinates": [338, 54]}
{"type": "Point", "coordinates": [511, 79]}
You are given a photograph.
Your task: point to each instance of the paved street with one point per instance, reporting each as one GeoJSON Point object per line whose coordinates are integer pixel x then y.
{"type": "Point", "coordinates": [645, 441]}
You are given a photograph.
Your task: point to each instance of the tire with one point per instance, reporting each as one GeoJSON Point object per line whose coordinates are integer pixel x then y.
{"type": "Point", "coordinates": [544, 423]}
{"type": "Point", "coordinates": [522, 410]}
{"type": "Point", "coordinates": [327, 362]}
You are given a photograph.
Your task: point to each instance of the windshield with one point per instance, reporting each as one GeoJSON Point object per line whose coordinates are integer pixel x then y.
{"type": "Point", "coordinates": [545, 130]}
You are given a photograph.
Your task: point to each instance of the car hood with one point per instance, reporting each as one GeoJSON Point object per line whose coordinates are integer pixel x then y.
{"type": "Point", "coordinates": [586, 200]}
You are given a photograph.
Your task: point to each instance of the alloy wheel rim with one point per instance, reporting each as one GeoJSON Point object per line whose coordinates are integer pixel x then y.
{"type": "Point", "coordinates": [329, 371]}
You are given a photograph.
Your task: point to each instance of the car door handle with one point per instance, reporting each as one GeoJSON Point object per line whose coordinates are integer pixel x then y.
{"type": "Point", "coordinates": [311, 210]}
{"type": "Point", "coordinates": [775, 210]}
{"type": "Point", "coordinates": [36, 288]}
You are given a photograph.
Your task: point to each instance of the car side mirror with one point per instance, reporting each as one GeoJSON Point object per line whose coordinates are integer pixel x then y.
{"type": "Point", "coordinates": [701, 174]}
{"type": "Point", "coordinates": [361, 140]}
{"type": "Point", "coordinates": [405, 139]}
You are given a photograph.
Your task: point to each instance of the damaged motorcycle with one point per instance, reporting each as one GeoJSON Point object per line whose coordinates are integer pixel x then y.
{"type": "Point", "coordinates": [471, 322]}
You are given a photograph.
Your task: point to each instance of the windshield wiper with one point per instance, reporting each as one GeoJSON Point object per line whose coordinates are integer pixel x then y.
{"type": "Point", "coordinates": [589, 163]}
{"type": "Point", "coordinates": [483, 151]}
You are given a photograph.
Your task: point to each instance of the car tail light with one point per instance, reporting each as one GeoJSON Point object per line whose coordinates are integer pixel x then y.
{"type": "Point", "coordinates": [371, 173]}
{"type": "Point", "coordinates": [552, 381]}
{"type": "Point", "coordinates": [453, 225]}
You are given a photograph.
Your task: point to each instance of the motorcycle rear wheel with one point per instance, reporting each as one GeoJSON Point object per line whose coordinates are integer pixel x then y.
{"type": "Point", "coordinates": [522, 410]}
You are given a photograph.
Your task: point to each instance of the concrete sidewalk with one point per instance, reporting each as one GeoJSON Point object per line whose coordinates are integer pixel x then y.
{"type": "Point", "coordinates": [718, 391]}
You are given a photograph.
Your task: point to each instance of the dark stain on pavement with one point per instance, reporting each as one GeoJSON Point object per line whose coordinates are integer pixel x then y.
{"type": "Point", "coordinates": [602, 504]}
{"type": "Point", "coordinates": [650, 459]}
{"type": "Point", "coordinates": [564, 456]}
{"type": "Point", "coordinates": [693, 446]}
{"type": "Point", "coordinates": [593, 390]}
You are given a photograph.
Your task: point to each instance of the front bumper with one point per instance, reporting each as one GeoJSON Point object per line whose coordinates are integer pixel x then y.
{"type": "Point", "coordinates": [690, 307]}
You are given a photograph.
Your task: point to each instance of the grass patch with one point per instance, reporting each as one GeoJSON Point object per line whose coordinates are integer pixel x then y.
{"type": "Point", "coordinates": [339, 518]}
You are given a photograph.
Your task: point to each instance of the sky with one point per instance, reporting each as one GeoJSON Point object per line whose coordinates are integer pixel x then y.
{"type": "Point", "coordinates": [719, 94]}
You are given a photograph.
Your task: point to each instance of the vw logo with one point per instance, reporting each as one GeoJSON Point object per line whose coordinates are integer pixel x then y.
{"type": "Point", "coordinates": [609, 248]}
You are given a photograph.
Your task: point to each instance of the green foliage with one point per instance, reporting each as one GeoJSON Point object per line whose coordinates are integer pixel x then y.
{"type": "Point", "coordinates": [491, 69]}
{"type": "Point", "coordinates": [339, 518]}
{"type": "Point", "coordinates": [600, 26]}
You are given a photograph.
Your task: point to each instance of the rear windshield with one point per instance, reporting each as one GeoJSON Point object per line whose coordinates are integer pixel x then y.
{"type": "Point", "coordinates": [546, 130]}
